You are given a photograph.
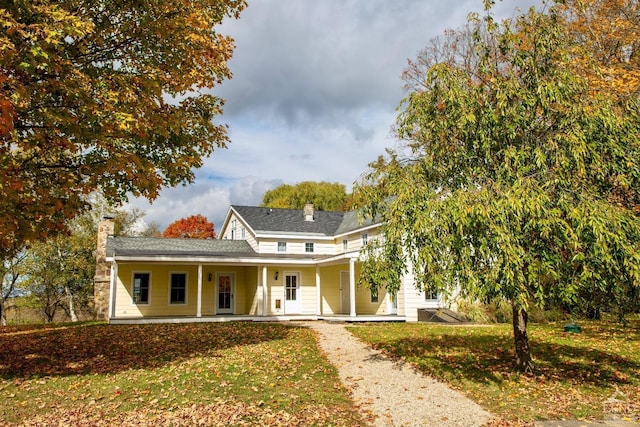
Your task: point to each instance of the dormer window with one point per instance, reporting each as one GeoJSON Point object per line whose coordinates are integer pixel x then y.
{"type": "Point", "coordinates": [308, 247]}
{"type": "Point", "coordinates": [282, 246]}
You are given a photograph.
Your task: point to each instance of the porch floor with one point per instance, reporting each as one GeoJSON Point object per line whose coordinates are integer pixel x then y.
{"type": "Point", "coordinates": [248, 318]}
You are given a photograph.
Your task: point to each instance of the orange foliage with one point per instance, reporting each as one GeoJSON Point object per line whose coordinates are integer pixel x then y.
{"type": "Point", "coordinates": [193, 227]}
{"type": "Point", "coordinates": [608, 36]}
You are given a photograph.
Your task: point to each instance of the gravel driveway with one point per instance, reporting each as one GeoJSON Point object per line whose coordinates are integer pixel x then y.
{"type": "Point", "coordinates": [393, 391]}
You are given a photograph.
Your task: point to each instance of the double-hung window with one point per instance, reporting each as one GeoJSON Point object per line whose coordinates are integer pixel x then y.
{"type": "Point", "coordinates": [141, 286]}
{"type": "Point", "coordinates": [178, 288]}
{"type": "Point", "coordinates": [374, 295]}
{"type": "Point", "coordinates": [282, 246]}
{"type": "Point", "coordinates": [365, 239]}
{"type": "Point", "coordinates": [430, 295]}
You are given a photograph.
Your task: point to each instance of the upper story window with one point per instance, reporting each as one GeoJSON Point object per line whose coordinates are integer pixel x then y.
{"type": "Point", "coordinates": [345, 245]}
{"type": "Point", "coordinates": [141, 288]}
{"type": "Point", "coordinates": [308, 247]}
{"type": "Point", "coordinates": [243, 233]}
{"type": "Point", "coordinates": [233, 229]}
{"type": "Point", "coordinates": [365, 238]}
{"type": "Point", "coordinates": [178, 288]}
{"type": "Point", "coordinates": [282, 246]}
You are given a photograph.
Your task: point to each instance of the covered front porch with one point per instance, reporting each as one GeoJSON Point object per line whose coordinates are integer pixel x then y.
{"type": "Point", "coordinates": [338, 318]}
{"type": "Point", "coordinates": [251, 289]}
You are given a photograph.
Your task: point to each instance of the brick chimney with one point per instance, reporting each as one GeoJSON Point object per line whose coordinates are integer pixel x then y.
{"type": "Point", "coordinates": [308, 212]}
{"type": "Point", "coordinates": [102, 279]}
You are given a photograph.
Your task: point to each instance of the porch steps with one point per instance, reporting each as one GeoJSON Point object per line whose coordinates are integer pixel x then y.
{"type": "Point", "coordinates": [440, 315]}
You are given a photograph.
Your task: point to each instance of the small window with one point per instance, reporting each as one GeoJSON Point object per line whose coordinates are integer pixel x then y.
{"type": "Point", "coordinates": [242, 233]}
{"type": "Point", "coordinates": [430, 295]}
{"type": "Point", "coordinates": [282, 246]}
{"type": "Point", "coordinates": [140, 288]}
{"type": "Point", "coordinates": [308, 247]}
{"type": "Point", "coordinates": [178, 291]}
{"type": "Point", "coordinates": [374, 295]}
{"type": "Point", "coordinates": [345, 245]}
{"type": "Point", "coordinates": [365, 239]}
{"type": "Point", "coordinates": [233, 229]}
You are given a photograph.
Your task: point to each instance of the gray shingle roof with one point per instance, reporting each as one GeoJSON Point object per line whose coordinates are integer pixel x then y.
{"type": "Point", "coordinates": [186, 247]}
{"type": "Point", "coordinates": [352, 221]}
{"type": "Point", "coordinates": [289, 220]}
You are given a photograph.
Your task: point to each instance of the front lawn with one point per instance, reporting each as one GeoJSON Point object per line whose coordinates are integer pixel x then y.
{"type": "Point", "coordinates": [590, 375]}
{"type": "Point", "coordinates": [186, 374]}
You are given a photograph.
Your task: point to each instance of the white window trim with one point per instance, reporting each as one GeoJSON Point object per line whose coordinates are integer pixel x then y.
{"type": "Point", "coordinates": [278, 247]}
{"type": "Point", "coordinates": [313, 248]}
{"type": "Point", "coordinates": [133, 275]}
{"type": "Point", "coordinates": [364, 236]}
{"type": "Point", "coordinates": [186, 288]}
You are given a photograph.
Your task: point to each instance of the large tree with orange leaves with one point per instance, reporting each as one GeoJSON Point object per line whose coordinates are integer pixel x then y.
{"type": "Point", "coordinates": [608, 44]}
{"type": "Point", "coordinates": [192, 227]}
{"type": "Point", "coordinates": [103, 96]}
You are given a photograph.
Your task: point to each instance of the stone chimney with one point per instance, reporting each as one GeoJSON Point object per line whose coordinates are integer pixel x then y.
{"type": "Point", "coordinates": [102, 279]}
{"type": "Point", "coordinates": [308, 212]}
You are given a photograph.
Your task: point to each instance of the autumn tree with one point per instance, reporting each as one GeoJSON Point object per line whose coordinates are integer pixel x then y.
{"type": "Point", "coordinates": [506, 184]}
{"type": "Point", "coordinates": [58, 272]}
{"type": "Point", "coordinates": [325, 196]}
{"type": "Point", "coordinates": [103, 96]}
{"type": "Point", "coordinates": [192, 227]}
{"type": "Point", "coordinates": [11, 272]}
{"type": "Point", "coordinates": [609, 48]}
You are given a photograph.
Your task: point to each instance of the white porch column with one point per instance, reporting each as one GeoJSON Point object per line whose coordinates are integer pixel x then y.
{"type": "Point", "coordinates": [319, 294]}
{"type": "Point", "coordinates": [112, 290]}
{"type": "Point", "coordinates": [352, 287]}
{"type": "Point", "coordinates": [199, 299]}
{"type": "Point", "coordinates": [258, 294]}
{"type": "Point", "coordinates": [264, 290]}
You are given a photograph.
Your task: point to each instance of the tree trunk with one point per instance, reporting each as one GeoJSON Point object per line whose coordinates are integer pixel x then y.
{"type": "Point", "coordinates": [524, 362]}
{"type": "Point", "coordinates": [72, 307]}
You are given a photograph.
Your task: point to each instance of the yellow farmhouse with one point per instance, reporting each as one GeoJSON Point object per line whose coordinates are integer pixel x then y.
{"type": "Point", "coordinates": [266, 264]}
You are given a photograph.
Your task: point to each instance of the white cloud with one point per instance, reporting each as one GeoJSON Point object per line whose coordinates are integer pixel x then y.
{"type": "Point", "coordinates": [313, 97]}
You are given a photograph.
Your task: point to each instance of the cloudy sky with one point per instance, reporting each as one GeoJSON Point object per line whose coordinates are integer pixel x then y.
{"type": "Point", "coordinates": [313, 97]}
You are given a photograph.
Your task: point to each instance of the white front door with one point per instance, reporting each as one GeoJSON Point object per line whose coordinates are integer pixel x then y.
{"type": "Point", "coordinates": [224, 292]}
{"type": "Point", "coordinates": [291, 293]}
{"type": "Point", "coordinates": [345, 293]}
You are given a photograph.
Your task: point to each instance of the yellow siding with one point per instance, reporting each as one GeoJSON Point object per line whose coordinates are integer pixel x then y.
{"type": "Point", "coordinates": [158, 291]}
{"type": "Point", "coordinates": [330, 288]}
{"type": "Point", "coordinates": [309, 294]}
{"type": "Point", "coordinates": [252, 290]}
{"type": "Point", "coordinates": [248, 236]}
{"type": "Point", "coordinates": [244, 290]}
{"type": "Point", "coordinates": [297, 246]}
{"type": "Point", "coordinates": [354, 240]}
{"type": "Point", "coordinates": [363, 298]}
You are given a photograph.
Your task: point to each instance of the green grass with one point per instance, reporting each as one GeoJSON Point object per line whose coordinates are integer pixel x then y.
{"type": "Point", "coordinates": [213, 374]}
{"type": "Point", "coordinates": [576, 375]}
